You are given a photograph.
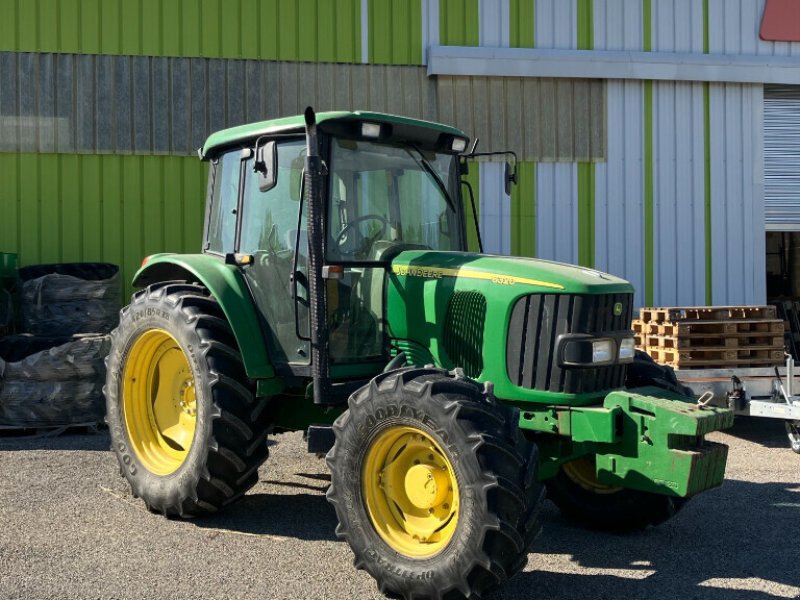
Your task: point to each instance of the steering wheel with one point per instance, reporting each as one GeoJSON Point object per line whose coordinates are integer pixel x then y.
{"type": "Point", "coordinates": [348, 245]}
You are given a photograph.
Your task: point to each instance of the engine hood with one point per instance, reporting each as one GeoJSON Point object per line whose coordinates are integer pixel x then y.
{"type": "Point", "coordinates": [540, 275]}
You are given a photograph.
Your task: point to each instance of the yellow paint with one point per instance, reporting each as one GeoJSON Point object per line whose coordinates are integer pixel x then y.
{"type": "Point", "coordinates": [410, 491]}
{"type": "Point", "coordinates": [159, 401]}
{"type": "Point", "coordinates": [439, 272]}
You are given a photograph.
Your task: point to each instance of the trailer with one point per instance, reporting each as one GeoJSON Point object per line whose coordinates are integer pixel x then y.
{"type": "Point", "coordinates": [730, 356]}
{"type": "Point", "coordinates": [766, 392]}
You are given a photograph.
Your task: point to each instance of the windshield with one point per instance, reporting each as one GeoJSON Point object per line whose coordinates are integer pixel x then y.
{"type": "Point", "coordinates": [386, 197]}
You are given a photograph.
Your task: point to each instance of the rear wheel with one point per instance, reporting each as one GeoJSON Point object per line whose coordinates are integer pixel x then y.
{"type": "Point", "coordinates": [185, 425]}
{"type": "Point", "coordinates": [434, 486]}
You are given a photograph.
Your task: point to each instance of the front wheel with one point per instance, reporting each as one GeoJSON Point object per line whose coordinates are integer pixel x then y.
{"type": "Point", "coordinates": [434, 486]}
{"type": "Point", "coordinates": [185, 426]}
{"type": "Point", "coordinates": [582, 498]}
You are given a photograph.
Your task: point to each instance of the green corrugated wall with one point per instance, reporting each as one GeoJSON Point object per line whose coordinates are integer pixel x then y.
{"type": "Point", "coordinates": [395, 32]}
{"type": "Point", "coordinates": [306, 30]}
{"type": "Point", "coordinates": [111, 208]}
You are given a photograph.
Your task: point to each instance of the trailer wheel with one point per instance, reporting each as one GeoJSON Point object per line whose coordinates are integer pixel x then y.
{"type": "Point", "coordinates": [793, 431]}
{"type": "Point", "coordinates": [434, 486]}
{"type": "Point", "coordinates": [582, 498]}
{"type": "Point", "coordinates": [185, 425]}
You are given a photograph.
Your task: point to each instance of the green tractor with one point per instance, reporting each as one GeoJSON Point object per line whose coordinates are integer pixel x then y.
{"type": "Point", "coordinates": [334, 294]}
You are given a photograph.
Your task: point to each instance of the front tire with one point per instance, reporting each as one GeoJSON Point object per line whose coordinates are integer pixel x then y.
{"type": "Point", "coordinates": [434, 486]}
{"type": "Point", "coordinates": [185, 426]}
{"type": "Point", "coordinates": [581, 498]}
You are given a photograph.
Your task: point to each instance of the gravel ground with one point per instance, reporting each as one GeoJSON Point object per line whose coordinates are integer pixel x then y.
{"type": "Point", "coordinates": [70, 529]}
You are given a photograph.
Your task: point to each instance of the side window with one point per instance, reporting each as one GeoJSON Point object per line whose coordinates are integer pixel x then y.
{"type": "Point", "coordinates": [224, 200]}
{"type": "Point", "coordinates": [269, 219]}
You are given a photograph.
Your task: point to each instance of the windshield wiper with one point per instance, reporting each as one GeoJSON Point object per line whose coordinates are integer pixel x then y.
{"type": "Point", "coordinates": [426, 166]}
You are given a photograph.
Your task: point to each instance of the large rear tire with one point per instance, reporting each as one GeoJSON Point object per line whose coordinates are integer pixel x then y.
{"type": "Point", "coordinates": [434, 486]}
{"type": "Point", "coordinates": [187, 430]}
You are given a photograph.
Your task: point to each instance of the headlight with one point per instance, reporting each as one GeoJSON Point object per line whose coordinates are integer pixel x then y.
{"type": "Point", "coordinates": [602, 351]}
{"type": "Point", "coordinates": [627, 349]}
{"type": "Point", "coordinates": [371, 130]}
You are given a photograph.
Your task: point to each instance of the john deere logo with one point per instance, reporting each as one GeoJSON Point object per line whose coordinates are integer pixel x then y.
{"type": "Point", "coordinates": [618, 309]}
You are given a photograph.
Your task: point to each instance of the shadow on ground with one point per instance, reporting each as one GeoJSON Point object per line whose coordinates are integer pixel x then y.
{"type": "Point", "coordinates": [727, 533]}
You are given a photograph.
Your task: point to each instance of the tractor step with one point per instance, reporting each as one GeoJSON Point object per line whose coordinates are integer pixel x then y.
{"type": "Point", "coordinates": [320, 439]}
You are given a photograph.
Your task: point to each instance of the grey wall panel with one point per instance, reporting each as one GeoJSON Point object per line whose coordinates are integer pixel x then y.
{"type": "Point", "coordinates": [147, 105]}
{"type": "Point", "coordinates": [736, 24]}
{"type": "Point", "coordinates": [737, 194]}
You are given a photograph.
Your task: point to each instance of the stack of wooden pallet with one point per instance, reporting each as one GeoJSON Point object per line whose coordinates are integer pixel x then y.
{"type": "Point", "coordinates": [710, 337]}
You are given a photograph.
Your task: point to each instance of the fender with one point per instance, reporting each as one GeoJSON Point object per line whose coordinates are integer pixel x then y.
{"type": "Point", "coordinates": [229, 289]}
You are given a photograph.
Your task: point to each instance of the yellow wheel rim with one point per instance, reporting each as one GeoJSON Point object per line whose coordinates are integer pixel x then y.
{"type": "Point", "coordinates": [410, 491]}
{"type": "Point", "coordinates": [584, 472]}
{"type": "Point", "coordinates": [159, 401]}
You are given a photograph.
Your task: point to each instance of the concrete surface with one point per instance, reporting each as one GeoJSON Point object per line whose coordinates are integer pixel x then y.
{"type": "Point", "coordinates": [70, 529]}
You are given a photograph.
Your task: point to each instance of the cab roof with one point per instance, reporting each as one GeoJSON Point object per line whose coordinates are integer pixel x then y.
{"type": "Point", "coordinates": [296, 124]}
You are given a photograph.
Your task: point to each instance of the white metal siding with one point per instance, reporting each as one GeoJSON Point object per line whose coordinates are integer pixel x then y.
{"type": "Point", "coordinates": [619, 182]}
{"type": "Point", "coordinates": [493, 23]}
{"type": "Point", "coordinates": [737, 194]}
{"type": "Point", "coordinates": [782, 158]}
{"type": "Point", "coordinates": [556, 24]}
{"type": "Point", "coordinates": [557, 211]}
{"type": "Point", "coordinates": [494, 214]}
{"type": "Point", "coordinates": [734, 26]}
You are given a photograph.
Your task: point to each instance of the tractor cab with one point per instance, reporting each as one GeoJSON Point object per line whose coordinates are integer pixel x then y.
{"type": "Point", "coordinates": [389, 185]}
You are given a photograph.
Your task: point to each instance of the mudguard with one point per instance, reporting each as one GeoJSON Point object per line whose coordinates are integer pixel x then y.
{"type": "Point", "coordinates": [227, 285]}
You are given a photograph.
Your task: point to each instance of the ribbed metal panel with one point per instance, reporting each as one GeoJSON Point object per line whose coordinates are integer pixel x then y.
{"type": "Point", "coordinates": [734, 26]}
{"type": "Point", "coordinates": [782, 157]}
{"type": "Point", "coordinates": [557, 212]}
{"type": "Point", "coordinates": [142, 105]}
{"type": "Point", "coordinates": [678, 163]}
{"type": "Point", "coordinates": [395, 32]}
{"type": "Point", "coordinates": [118, 209]}
{"type": "Point", "coordinates": [495, 212]}
{"type": "Point", "coordinates": [737, 194]}
{"type": "Point", "coordinates": [312, 30]}
{"type": "Point", "coordinates": [555, 24]}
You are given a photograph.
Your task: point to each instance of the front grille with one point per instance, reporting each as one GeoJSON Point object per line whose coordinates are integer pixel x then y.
{"type": "Point", "coordinates": [536, 323]}
{"type": "Point", "coordinates": [463, 331]}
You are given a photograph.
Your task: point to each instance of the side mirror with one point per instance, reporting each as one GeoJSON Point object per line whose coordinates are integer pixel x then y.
{"type": "Point", "coordinates": [510, 177]}
{"type": "Point", "coordinates": [266, 165]}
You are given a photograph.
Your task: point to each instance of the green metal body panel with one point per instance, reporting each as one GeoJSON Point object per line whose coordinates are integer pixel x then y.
{"type": "Point", "coordinates": [227, 285]}
{"type": "Point", "coordinates": [296, 124]}
{"type": "Point", "coordinates": [312, 30]}
{"type": "Point", "coordinates": [420, 284]}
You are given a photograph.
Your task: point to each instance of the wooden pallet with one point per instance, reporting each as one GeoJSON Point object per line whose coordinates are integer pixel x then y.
{"type": "Point", "coordinates": [717, 328]}
{"type": "Point", "coordinates": [751, 340]}
{"type": "Point", "coordinates": [705, 313]}
{"type": "Point", "coordinates": [638, 327]}
{"type": "Point", "coordinates": [708, 357]}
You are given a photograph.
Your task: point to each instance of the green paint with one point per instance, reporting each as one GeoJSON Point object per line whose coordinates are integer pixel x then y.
{"type": "Point", "coordinates": [586, 214]}
{"type": "Point", "coordinates": [522, 23]}
{"type": "Point", "coordinates": [227, 285]}
{"type": "Point", "coordinates": [297, 124]}
{"type": "Point", "coordinates": [586, 185]}
{"type": "Point", "coordinates": [585, 10]}
{"type": "Point", "coordinates": [649, 227]}
{"type": "Point", "coordinates": [523, 211]}
{"type": "Point", "coordinates": [308, 30]}
{"type": "Point", "coordinates": [474, 180]}
{"type": "Point", "coordinates": [707, 168]}
{"type": "Point", "coordinates": [459, 23]}
{"type": "Point", "coordinates": [111, 208]}
{"type": "Point", "coordinates": [395, 32]}
{"type": "Point", "coordinates": [649, 210]}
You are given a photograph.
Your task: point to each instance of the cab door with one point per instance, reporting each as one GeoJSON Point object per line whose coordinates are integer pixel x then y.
{"type": "Point", "coordinates": [273, 231]}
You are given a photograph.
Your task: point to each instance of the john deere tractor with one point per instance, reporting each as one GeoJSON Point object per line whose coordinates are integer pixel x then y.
{"type": "Point", "coordinates": [334, 294]}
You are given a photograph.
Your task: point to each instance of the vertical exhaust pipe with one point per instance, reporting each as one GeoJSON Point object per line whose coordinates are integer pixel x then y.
{"type": "Point", "coordinates": [320, 364]}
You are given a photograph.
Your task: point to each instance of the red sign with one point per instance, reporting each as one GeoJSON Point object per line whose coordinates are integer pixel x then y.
{"type": "Point", "coordinates": [781, 21]}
